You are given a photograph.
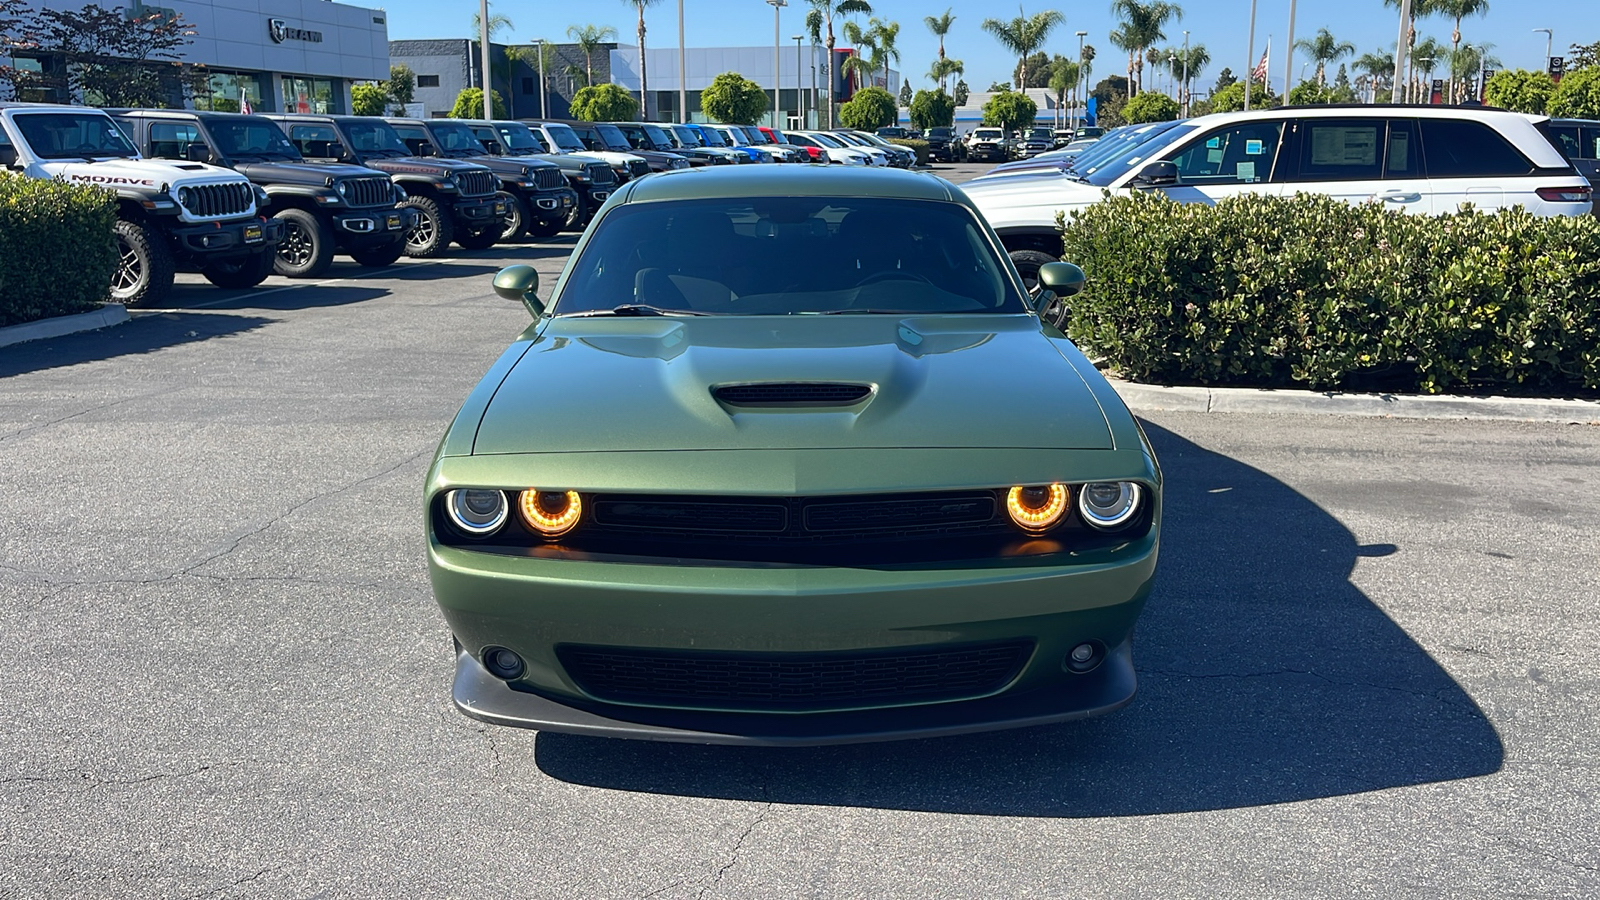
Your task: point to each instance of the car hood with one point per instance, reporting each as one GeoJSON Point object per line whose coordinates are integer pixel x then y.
{"type": "Point", "coordinates": [437, 166]}
{"type": "Point", "coordinates": [1028, 198]}
{"type": "Point", "coordinates": [147, 174]}
{"type": "Point", "coordinates": [979, 381]}
{"type": "Point", "coordinates": [302, 173]}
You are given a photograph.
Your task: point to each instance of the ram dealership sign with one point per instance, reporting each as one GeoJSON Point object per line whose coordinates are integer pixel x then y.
{"type": "Point", "coordinates": [281, 32]}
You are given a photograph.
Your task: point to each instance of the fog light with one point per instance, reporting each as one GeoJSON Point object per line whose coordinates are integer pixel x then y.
{"type": "Point", "coordinates": [1084, 657]}
{"type": "Point", "coordinates": [502, 663]}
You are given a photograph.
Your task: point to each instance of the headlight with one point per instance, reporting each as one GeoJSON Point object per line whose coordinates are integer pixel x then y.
{"type": "Point", "coordinates": [1038, 508]}
{"type": "Point", "coordinates": [183, 196]}
{"type": "Point", "coordinates": [550, 513]}
{"type": "Point", "coordinates": [680, 164]}
{"type": "Point", "coordinates": [476, 512]}
{"type": "Point", "coordinates": [1109, 504]}
{"type": "Point", "coordinates": [346, 189]}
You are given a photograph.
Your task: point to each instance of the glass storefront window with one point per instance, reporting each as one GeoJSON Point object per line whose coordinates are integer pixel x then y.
{"type": "Point", "coordinates": [223, 91]}
{"type": "Point", "coordinates": [308, 95]}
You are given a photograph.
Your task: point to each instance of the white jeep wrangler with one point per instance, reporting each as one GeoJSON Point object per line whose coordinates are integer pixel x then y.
{"type": "Point", "coordinates": [169, 214]}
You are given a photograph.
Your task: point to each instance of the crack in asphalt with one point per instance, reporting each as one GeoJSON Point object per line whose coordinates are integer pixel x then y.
{"type": "Point", "coordinates": [93, 780]}
{"type": "Point", "coordinates": [1530, 848]}
{"type": "Point", "coordinates": [29, 429]}
{"type": "Point", "coordinates": [733, 855]}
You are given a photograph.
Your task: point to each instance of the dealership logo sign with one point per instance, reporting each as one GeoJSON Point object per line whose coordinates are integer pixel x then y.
{"type": "Point", "coordinates": [281, 32]}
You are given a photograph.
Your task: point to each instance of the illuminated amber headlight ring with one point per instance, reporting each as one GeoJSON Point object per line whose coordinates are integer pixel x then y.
{"type": "Point", "coordinates": [1038, 508]}
{"type": "Point", "coordinates": [550, 513]}
{"type": "Point", "coordinates": [1109, 505]}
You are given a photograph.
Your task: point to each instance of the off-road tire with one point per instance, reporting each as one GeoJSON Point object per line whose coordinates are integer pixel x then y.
{"type": "Point", "coordinates": [380, 256]}
{"type": "Point", "coordinates": [144, 272]}
{"type": "Point", "coordinates": [517, 217]}
{"type": "Point", "coordinates": [541, 228]}
{"type": "Point", "coordinates": [434, 231]}
{"type": "Point", "coordinates": [482, 239]}
{"type": "Point", "coordinates": [1028, 263]}
{"type": "Point", "coordinates": [306, 250]}
{"type": "Point", "coordinates": [245, 272]}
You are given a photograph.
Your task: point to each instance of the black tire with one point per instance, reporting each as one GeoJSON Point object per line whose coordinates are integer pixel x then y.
{"type": "Point", "coordinates": [144, 272]}
{"type": "Point", "coordinates": [541, 228]}
{"type": "Point", "coordinates": [306, 250]}
{"type": "Point", "coordinates": [434, 231]}
{"type": "Point", "coordinates": [517, 217]}
{"type": "Point", "coordinates": [1028, 263]}
{"type": "Point", "coordinates": [482, 239]}
{"type": "Point", "coordinates": [244, 272]}
{"type": "Point", "coordinates": [579, 217]}
{"type": "Point", "coordinates": [381, 255]}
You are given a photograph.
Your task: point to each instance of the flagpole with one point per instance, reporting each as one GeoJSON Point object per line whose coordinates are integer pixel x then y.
{"type": "Point", "coordinates": [1250, 57]}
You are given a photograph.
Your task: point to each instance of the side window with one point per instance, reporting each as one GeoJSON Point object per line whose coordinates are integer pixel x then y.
{"type": "Point", "coordinates": [1341, 149]}
{"type": "Point", "coordinates": [315, 141]}
{"type": "Point", "coordinates": [1402, 153]}
{"type": "Point", "coordinates": [1567, 140]}
{"type": "Point", "coordinates": [415, 137]}
{"type": "Point", "coordinates": [1457, 148]}
{"type": "Point", "coordinates": [171, 140]}
{"type": "Point", "coordinates": [1589, 146]}
{"type": "Point", "coordinates": [1235, 154]}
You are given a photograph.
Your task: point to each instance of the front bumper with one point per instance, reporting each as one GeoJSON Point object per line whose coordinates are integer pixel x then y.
{"type": "Point", "coordinates": [368, 227]}
{"type": "Point", "coordinates": [480, 212]}
{"type": "Point", "coordinates": [222, 239]}
{"type": "Point", "coordinates": [552, 206]}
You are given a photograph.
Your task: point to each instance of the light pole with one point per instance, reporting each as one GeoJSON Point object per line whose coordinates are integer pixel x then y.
{"type": "Point", "coordinates": [1548, 36]}
{"type": "Point", "coordinates": [683, 86]}
{"type": "Point", "coordinates": [1427, 73]}
{"type": "Point", "coordinates": [1401, 48]}
{"type": "Point", "coordinates": [483, 41]}
{"type": "Point", "coordinates": [1172, 75]}
{"type": "Point", "coordinates": [540, 44]}
{"type": "Point", "coordinates": [777, 6]}
{"type": "Point", "coordinates": [813, 84]}
{"type": "Point", "coordinates": [1078, 89]}
{"type": "Point", "coordinates": [1288, 55]}
{"type": "Point", "coordinates": [799, 92]}
{"type": "Point", "coordinates": [1250, 64]}
{"type": "Point", "coordinates": [1185, 87]}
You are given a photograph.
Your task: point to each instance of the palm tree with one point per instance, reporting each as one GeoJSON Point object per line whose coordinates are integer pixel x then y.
{"type": "Point", "coordinates": [1418, 8]}
{"type": "Point", "coordinates": [640, 5]}
{"type": "Point", "coordinates": [1323, 49]}
{"type": "Point", "coordinates": [1122, 40]}
{"type": "Point", "coordinates": [944, 68]}
{"type": "Point", "coordinates": [1141, 28]}
{"type": "Point", "coordinates": [940, 26]}
{"type": "Point", "coordinates": [822, 12]}
{"type": "Point", "coordinates": [1378, 66]}
{"type": "Point", "coordinates": [589, 38]}
{"type": "Point", "coordinates": [1197, 58]}
{"type": "Point", "coordinates": [1466, 61]}
{"type": "Point", "coordinates": [1023, 35]}
{"type": "Point", "coordinates": [1458, 10]}
{"type": "Point", "coordinates": [884, 35]}
{"type": "Point", "coordinates": [1425, 57]}
{"type": "Point", "coordinates": [497, 23]}
{"type": "Point", "coordinates": [863, 64]}
{"type": "Point", "coordinates": [1063, 78]}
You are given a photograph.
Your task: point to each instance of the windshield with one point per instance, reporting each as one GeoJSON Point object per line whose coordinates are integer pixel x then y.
{"type": "Point", "coordinates": [987, 134]}
{"type": "Point", "coordinates": [612, 139]}
{"type": "Point", "coordinates": [828, 140]}
{"type": "Point", "coordinates": [514, 138]}
{"type": "Point", "coordinates": [658, 137]}
{"type": "Point", "coordinates": [687, 136]}
{"type": "Point", "coordinates": [731, 135]}
{"type": "Point", "coordinates": [940, 131]}
{"type": "Point", "coordinates": [73, 135]}
{"type": "Point", "coordinates": [455, 138]}
{"type": "Point", "coordinates": [1039, 134]}
{"type": "Point", "coordinates": [374, 138]}
{"type": "Point", "coordinates": [250, 137]}
{"type": "Point", "coordinates": [848, 139]}
{"type": "Point", "coordinates": [565, 138]}
{"type": "Point", "coordinates": [789, 256]}
{"type": "Point", "coordinates": [715, 138]}
{"type": "Point", "coordinates": [1118, 164]}
{"type": "Point", "coordinates": [1093, 151]}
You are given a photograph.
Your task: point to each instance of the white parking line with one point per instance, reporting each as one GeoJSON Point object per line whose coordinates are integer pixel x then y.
{"type": "Point", "coordinates": [253, 295]}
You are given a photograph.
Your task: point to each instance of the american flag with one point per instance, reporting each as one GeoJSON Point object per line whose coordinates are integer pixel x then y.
{"type": "Point", "coordinates": [244, 102]}
{"type": "Point", "coordinates": [1259, 73]}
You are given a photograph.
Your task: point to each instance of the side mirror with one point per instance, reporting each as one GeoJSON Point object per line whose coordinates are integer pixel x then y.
{"type": "Point", "coordinates": [495, 148]}
{"type": "Point", "coordinates": [198, 153]}
{"type": "Point", "coordinates": [521, 283]}
{"type": "Point", "coordinates": [1157, 174]}
{"type": "Point", "coordinates": [426, 148]}
{"type": "Point", "coordinates": [1061, 278]}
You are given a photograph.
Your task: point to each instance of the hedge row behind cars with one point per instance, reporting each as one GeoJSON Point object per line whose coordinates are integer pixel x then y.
{"type": "Point", "coordinates": [56, 250]}
{"type": "Point", "coordinates": [1308, 291]}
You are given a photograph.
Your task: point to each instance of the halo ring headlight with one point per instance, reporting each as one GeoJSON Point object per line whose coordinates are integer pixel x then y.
{"type": "Point", "coordinates": [477, 512]}
{"type": "Point", "coordinates": [1109, 505]}
{"type": "Point", "coordinates": [550, 513]}
{"type": "Point", "coordinates": [1038, 508]}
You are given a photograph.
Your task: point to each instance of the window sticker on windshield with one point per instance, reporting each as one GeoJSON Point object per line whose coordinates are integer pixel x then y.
{"type": "Point", "coordinates": [1246, 171]}
{"type": "Point", "coordinates": [1252, 148]}
{"type": "Point", "coordinates": [1214, 143]}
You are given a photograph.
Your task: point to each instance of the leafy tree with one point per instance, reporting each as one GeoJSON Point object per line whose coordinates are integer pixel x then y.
{"type": "Point", "coordinates": [905, 93]}
{"type": "Point", "coordinates": [1109, 85]}
{"type": "Point", "coordinates": [931, 109]}
{"type": "Point", "coordinates": [734, 99]}
{"type": "Point", "coordinates": [998, 87]}
{"type": "Point", "coordinates": [604, 103]}
{"type": "Point", "coordinates": [369, 99]}
{"type": "Point", "coordinates": [469, 105]}
{"type": "Point", "coordinates": [589, 38]}
{"type": "Point", "coordinates": [1231, 98]}
{"type": "Point", "coordinates": [1224, 78]}
{"type": "Point", "coordinates": [870, 109]}
{"type": "Point", "coordinates": [1008, 110]}
{"type": "Point", "coordinates": [1309, 93]}
{"type": "Point", "coordinates": [1150, 106]}
{"type": "Point", "coordinates": [1037, 67]}
{"type": "Point", "coordinates": [1578, 95]}
{"type": "Point", "coordinates": [1024, 35]}
{"type": "Point", "coordinates": [14, 31]}
{"type": "Point", "coordinates": [822, 14]}
{"type": "Point", "coordinates": [1520, 90]}
{"type": "Point", "coordinates": [1579, 56]}
{"type": "Point", "coordinates": [962, 92]}
{"type": "Point", "coordinates": [113, 60]}
{"type": "Point", "coordinates": [402, 84]}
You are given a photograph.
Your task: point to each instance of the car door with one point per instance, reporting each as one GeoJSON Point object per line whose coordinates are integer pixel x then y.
{"type": "Point", "coordinates": [1237, 158]}
{"type": "Point", "coordinates": [1469, 162]}
{"type": "Point", "coordinates": [1342, 158]}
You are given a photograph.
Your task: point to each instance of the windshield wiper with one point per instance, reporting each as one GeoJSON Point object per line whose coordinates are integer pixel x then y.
{"type": "Point", "coordinates": [640, 309]}
{"type": "Point", "coordinates": [868, 311]}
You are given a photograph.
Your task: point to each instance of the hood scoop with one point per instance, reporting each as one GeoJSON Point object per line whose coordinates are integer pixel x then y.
{"type": "Point", "coordinates": [791, 395]}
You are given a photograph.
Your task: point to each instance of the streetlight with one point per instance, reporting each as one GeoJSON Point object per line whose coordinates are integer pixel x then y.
{"type": "Point", "coordinates": [777, 5]}
{"type": "Point", "coordinates": [539, 42]}
{"type": "Point", "coordinates": [1250, 64]}
{"type": "Point", "coordinates": [683, 86]}
{"type": "Point", "coordinates": [799, 92]}
{"type": "Point", "coordinates": [1401, 48]}
{"type": "Point", "coordinates": [1427, 72]}
{"type": "Point", "coordinates": [1288, 56]}
{"type": "Point", "coordinates": [1079, 87]}
{"type": "Point", "coordinates": [1185, 87]}
{"type": "Point", "coordinates": [483, 41]}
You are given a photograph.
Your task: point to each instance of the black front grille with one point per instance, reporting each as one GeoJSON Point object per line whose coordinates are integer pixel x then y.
{"type": "Point", "coordinates": [638, 167]}
{"type": "Point", "coordinates": [210, 200]}
{"type": "Point", "coordinates": [477, 183]}
{"type": "Point", "coordinates": [793, 681]}
{"type": "Point", "coordinates": [668, 514]}
{"type": "Point", "coordinates": [898, 515]}
{"type": "Point", "coordinates": [600, 173]}
{"type": "Point", "coordinates": [549, 179]}
{"type": "Point", "coordinates": [784, 394]}
{"type": "Point", "coordinates": [367, 191]}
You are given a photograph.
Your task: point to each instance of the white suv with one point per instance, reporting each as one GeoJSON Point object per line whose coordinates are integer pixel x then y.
{"type": "Point", "coordinates": [1415, 159]}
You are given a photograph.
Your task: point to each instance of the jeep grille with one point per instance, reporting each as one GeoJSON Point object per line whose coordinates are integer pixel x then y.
{"type": "Point", "coordinates": [367, 192]}
{"type": "Point", "coordinates": [600, 173]}
{"type": "Point", "coordinates": [477, 184]}
{"type": "Point", "coordinates": [549, 179]}
{"type": "Point", "coordinates": [207, 201]}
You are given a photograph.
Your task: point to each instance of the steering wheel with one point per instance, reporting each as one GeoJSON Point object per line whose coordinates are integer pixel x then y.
{"type": "Point", "coordinates": [893, 274]}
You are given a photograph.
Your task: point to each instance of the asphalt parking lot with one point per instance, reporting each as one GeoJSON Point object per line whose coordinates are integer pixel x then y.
{"type": "Point", "coordinates": [1369, 668]}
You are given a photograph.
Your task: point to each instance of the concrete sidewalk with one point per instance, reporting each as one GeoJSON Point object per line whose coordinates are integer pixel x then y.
{"type": "Point", "coordinates": [1153, 398]}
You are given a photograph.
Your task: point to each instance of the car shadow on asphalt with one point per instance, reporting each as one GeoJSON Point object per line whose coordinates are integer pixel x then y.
{"type": "Point", "coordinates": [1265, 677]}
{"type": "Point", "coordinates": [144, 334]}
{"type": "Point", "coordinates": [274, 297]}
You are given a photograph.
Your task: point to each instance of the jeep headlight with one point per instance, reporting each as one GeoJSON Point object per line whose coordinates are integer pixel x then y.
{"type": "Point", "coordinates": [346, 189]}
{"type": "Point", "coordinates": [183, 197]}
{"type": "Point", "coordinates": [680, 163]}
{"type": "Point", "coordinates": [400, 194]}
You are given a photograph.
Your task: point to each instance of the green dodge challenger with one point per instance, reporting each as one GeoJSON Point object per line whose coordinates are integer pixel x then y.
{"type": "Point", "coordinates": [789, 458]}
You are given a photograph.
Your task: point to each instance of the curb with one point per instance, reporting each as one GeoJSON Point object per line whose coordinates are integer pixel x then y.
{"type": "Point", "coordinates": [1152, 398]}
{"type": "Point", "coordinates": [104, 317]}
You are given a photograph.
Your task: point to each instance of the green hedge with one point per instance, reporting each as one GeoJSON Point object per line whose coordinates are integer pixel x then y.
{"type": "Point", "coordinates": [920, 146]}
{"type": "Point", "coordinates": [56, 249]}
{"type": "Point", "coordinates": [1309, 291]}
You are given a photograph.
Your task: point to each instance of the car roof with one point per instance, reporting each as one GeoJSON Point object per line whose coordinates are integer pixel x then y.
{"type": "Point", "coordinates": [787, 181]}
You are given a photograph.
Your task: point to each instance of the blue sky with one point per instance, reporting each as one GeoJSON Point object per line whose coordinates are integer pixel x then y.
{"type": "Point", "coordinates": [1218, 24]}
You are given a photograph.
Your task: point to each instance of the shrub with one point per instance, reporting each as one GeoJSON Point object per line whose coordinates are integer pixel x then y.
{"type": "Point", "coordinates": [1313, 292]}
{"type": "Point", "coordinates": [1150, 107]}
{"type": "Point", "coordinates": [56, 250]}
{"type": "Point", "coordinates": [469, 104]}
{"type": "Point", "coordinates": [870, 109]}
{"type": "Point", "coordinates": [1577, 96]}
{"type": "Point", "coordinates": [1309, 93]}
{"type": "Point", "coordinates": [369, 99]}
{"type": "Point", "coordinates": [920, 146]}
{"type": "Point", "coordinates": [1008, 110]}
{"type": "Point", "coordinates": [734, 99]}
{"type": "Point", "coordinates": [1519, 90]}
{"type": "Point", "coordinates": [604, 103]}
{"type": "Point", "coordinates": [1231, 98]}
{"type": "Point", "coordinates": [932, 109]}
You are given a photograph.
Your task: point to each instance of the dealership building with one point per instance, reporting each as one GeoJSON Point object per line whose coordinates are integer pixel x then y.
{"type": "Point", "coordinates": [280, 55]}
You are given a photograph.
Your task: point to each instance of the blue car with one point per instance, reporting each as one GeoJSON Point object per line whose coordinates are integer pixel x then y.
{"type": "Point", "coordinates": [716, 137]}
